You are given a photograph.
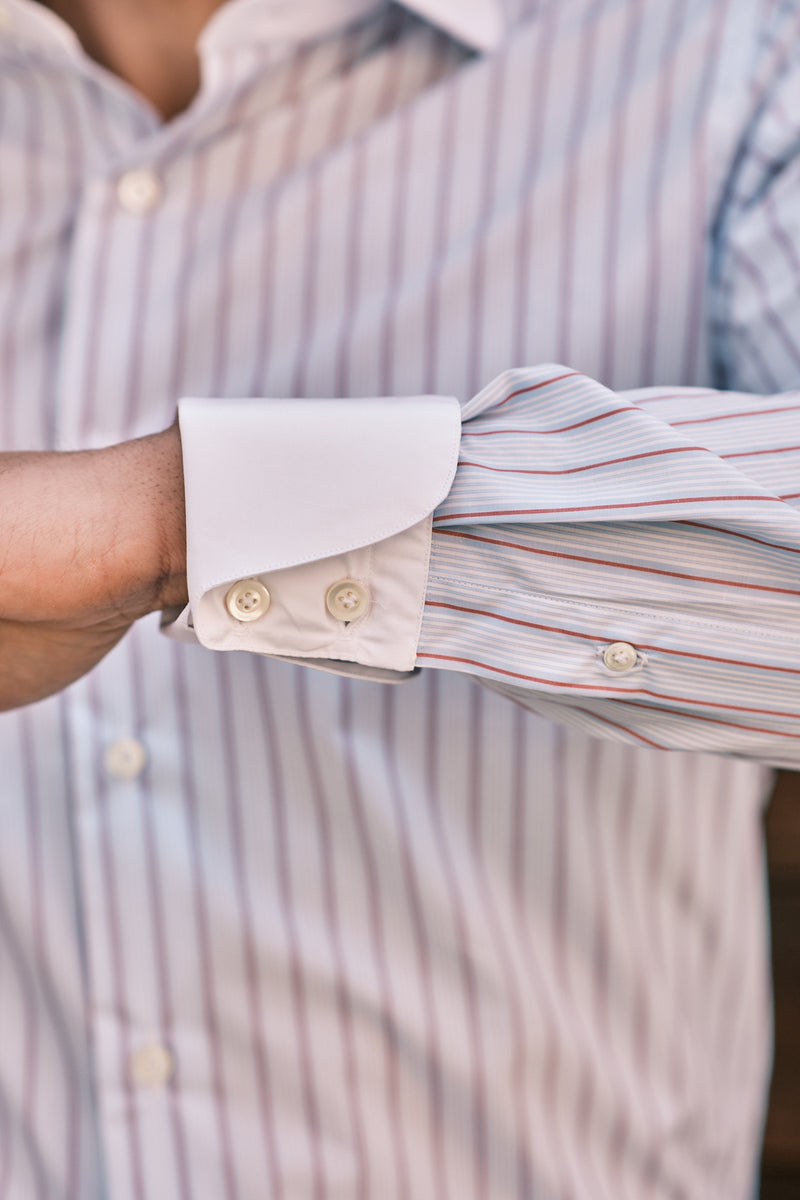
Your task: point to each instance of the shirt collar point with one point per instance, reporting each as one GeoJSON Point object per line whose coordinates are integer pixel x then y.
{"type": "Point", "coordinates": [479, 23]}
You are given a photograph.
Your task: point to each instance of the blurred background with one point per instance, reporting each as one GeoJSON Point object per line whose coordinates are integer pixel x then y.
{"type": "Point", "coordinates": [780, 1176]}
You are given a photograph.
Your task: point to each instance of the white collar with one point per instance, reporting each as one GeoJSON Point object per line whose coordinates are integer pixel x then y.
{"type": "Point", "coordinates": [478, 23]}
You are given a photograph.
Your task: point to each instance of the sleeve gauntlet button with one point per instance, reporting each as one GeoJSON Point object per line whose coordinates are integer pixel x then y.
{"type": "Point", "coordinates": [620, 657]}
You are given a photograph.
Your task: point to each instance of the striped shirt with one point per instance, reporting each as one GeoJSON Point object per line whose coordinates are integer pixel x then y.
{"type": "Point", "coordinates": [267, 931]}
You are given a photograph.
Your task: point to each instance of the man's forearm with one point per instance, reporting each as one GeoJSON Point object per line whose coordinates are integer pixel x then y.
{"type": "Point", "coordinates": [92, 541]}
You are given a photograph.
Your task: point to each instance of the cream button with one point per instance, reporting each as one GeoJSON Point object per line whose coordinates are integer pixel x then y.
{"type": "Point", "coordinates": [152, 1066]}
{"type": "Point", "coordinates": [620, 657]}
{"type": "Point", "coordinates": [347, 600]}
{"type": "Point", "coordinates": [6, 18]}
{"type": "Point", "coordinates": [247, 600]}
{"type": "Point", "coordinates": [125, 758]}
{"type": "Point", "coordinates": [139, 190]}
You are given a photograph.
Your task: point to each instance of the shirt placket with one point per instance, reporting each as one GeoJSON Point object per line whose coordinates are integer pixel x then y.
{"type": "Point", "coordinates": [124, 760]}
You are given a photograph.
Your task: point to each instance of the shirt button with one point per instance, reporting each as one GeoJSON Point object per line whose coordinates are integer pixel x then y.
{"type": "Point", "coordinates": [125, 758]}
{"type": "Point", "coordinates": [347, 600]}
{"type": "Point", "coordinates": [139, 190]}
{"type": "Point", "coordinates": [6, 18]}
{"type": "Point", "coordinates": [620, 657]}
{"type": "Point", "coordinates": [247, 600]}
{"type": "Point", "coordinates": [152, 1066]}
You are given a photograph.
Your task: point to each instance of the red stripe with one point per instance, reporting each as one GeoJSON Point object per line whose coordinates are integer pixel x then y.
{"type": "Point", "coordinates": [659, 708]}
{"type": "Point", "coordinates": [532, 512]}
{"type": "Point", "coordinates": [640, 737]}
{"type": "Point", "coordinates": [592, 637]}
{"type": "Point", "coordinates": [747, 537]}
{"type": "Point", "coordinates": [626, 693]}
{"type": "Point", "coordinates": [757, 412]}
{"type": "Point", "coordinates": [755, 453]}
{"type": "Point", "coordinates": [554, 683]}
{"type": "Point", "coordinates": [612, 412]}
{"type": "Point", "coordinates": [536, 386]}
{"type": "Point", "coordinates": [602, 562]}
{"type": "Point", "coordinates": [683, 393]}
{"type": "Point", "coordinates": [609, 462]}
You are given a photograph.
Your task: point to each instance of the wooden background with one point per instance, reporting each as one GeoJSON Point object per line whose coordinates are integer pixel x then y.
{"type": "Point", "coordinates": [780, 1176]}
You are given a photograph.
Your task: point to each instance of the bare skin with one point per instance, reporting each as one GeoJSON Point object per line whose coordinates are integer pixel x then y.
{"type": "Point", "coordinates": [96, 539]}
{"type": "Point", "coordinates": [148, 43]}
{"type": "Point", "coordinates": [92, 541]}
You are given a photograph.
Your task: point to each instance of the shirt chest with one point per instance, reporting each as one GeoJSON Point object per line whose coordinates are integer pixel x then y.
{"type": "Point", "coordinates": [399, 219]}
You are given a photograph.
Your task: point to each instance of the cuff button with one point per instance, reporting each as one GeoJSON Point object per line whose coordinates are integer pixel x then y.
{"type": "Point", "coordinates": [347, 600]}
{"type": "Point", "coordinates": [247, 600]}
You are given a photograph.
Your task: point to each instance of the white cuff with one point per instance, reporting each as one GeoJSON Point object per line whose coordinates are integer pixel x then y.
{"type": "Point", "coordinates": [286, 499]}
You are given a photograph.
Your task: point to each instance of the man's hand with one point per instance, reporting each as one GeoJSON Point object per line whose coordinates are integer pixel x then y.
{"type": "Point", "coordinates": [89, 542]}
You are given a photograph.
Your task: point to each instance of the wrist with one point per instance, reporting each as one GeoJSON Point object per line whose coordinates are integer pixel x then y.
{"type": "Point", "coordinates": [145, 482]}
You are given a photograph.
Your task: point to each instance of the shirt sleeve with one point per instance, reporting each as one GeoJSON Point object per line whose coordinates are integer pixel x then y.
{"type": "Point", "coordinates": [625, 562]}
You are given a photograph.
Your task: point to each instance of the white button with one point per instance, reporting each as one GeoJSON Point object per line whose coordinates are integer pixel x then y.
{"type": "Point", "coordinates": [152, 1066]}
{"type": "Point", "coordinates": [620, 657]}
{"type": "Point", "coordinates": [125, 758]}
{"type": "Point", "coordinates": [347, 600]}
{"type": "Point", "coordinates": [140, 190]}
{"type": "Point", "coordinates": [247, 600]}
